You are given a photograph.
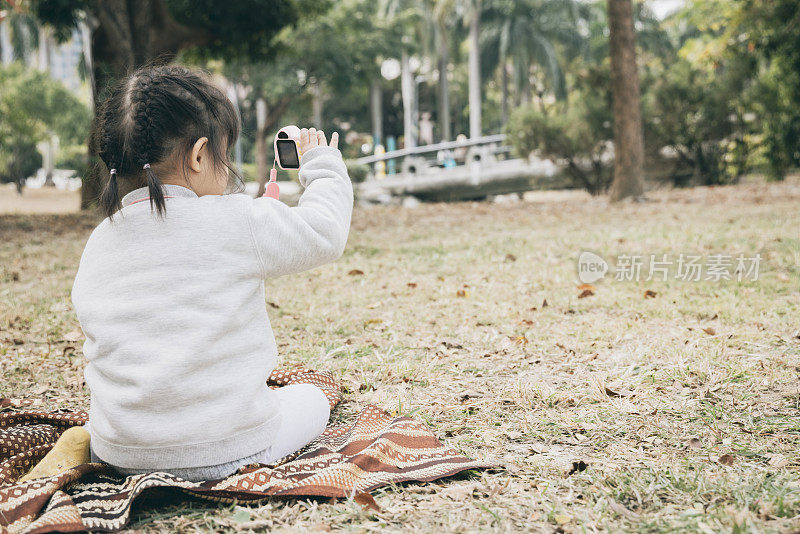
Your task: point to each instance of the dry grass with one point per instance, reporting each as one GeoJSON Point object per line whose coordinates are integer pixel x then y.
{"type": "Point", "coordinates": [37, 200]}
{"type": "Point", "coordinates": [610, 412]}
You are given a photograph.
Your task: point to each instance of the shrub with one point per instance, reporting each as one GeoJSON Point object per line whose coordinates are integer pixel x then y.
{"type": "Point", "coordinates": [578, 132]}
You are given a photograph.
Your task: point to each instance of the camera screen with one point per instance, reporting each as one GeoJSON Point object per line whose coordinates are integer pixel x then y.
{"type": "Point", "coordinates": [287, 153]}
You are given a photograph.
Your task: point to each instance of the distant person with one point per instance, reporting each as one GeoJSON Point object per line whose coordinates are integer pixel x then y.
{"type": "Point", "coordinates": [460, 153]}
{"type": "Point", "coordinates": [170, 288]}
{"type": "Point", "coordinates": [426, 129]}
{"type": "Point", "coordinates": [445, 158]}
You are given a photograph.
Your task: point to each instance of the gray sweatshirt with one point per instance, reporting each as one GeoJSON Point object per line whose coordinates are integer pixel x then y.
{"type": "Point", "coordinates": [178, 341]}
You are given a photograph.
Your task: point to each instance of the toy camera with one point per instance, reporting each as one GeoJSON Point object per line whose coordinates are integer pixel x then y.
{"type": "Point", "coordinates": [287, 149]}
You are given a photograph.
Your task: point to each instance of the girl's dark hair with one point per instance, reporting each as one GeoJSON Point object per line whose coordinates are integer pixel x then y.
{"type": "Point", "coordinates": [151, 114]}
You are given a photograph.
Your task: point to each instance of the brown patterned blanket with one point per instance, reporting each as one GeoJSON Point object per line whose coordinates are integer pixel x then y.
{"type": "Point", "coordinates": [346, 460]}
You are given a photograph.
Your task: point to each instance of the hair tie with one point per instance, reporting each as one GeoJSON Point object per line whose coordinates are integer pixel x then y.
{"type": "Point", "coordinates": [146, 166]}
{"type": "Point", "coordinates": [113, 171]}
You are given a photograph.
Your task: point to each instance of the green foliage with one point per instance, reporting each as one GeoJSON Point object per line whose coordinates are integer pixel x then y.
{"type": "Point", "coordinates": [531, 31]}
{"type": "Point", "coordinates": [18, 160]}
{"type": "Point", "coordinates": [342, 46]}
{"type": "Point", "coordinates": [695, 112]}
{"type": "Point", "coordinates": [34, 107]}
{"type": "Point", "coordinates": [357, 171]}
{"type": "Point", "coordinates": [340, 49]}
{"type": "Point", "coordinates": [767, 31]}
{"type": "Point", "coordinates": [578, 131]}
{"type": "Point", "coordinates": [759, 40]}
{"type": "Point", "coordinates": [62, 15]}
{"type": "Point", "coordinates": [241, 29]}
{"type": "Point", "coordinates": [73, 157]}
{"type": "Point", "coordinates": [775, 103]}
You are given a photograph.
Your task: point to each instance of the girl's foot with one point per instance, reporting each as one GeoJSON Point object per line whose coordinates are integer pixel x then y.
{"type": "Point", "coordinates": [71, 449]}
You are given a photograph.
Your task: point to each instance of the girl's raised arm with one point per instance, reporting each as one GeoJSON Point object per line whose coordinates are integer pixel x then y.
{"type": "Point", "coordinates": [293, 239]}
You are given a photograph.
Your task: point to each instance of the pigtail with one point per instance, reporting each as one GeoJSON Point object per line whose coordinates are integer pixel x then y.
{"type": "Point", "coordinates": [156, 193]}
{"type": "Point", "coordinates": [146, 144]}
{"type": "Point", "coordinates": [109, 199]}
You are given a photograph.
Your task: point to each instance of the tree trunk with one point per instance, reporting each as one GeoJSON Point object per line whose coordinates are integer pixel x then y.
{"type": "Point", "coordinates": [475, 73]}
{"type": "Point", "coordinates": [316, 104]}
{"type": "Point", "coordinates": [261, 145]}
{"type": "Point", "coordinates": [6, 49]}
{"type": "Point", "coordinates": [527, 88]}
{"type": "Point", "coordinates": [444, 89]}
{"type": "Point", "coordinates": [504, 81]}
{"type": "Point", "coordinates": [44, 49]}
{"type": "Point", "coordinates": [407, 92]}
{"type": "Point", "coordinates": [628, 136]}
{"type": "Point", "coordinates": [376, 111]}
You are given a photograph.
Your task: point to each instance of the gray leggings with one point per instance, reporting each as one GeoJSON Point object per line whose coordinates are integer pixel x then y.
{"type": "Point", "coordinates": [304, 415]}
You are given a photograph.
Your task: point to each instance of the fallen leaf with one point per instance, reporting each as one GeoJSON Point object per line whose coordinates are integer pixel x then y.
{"type": "Point", "coordinates": [620, 509]}
{"type": "Point", "coordinates": [460, 492]}
{"type": "Point", "coordinates": [778, 460]}
{"type": "Point", "coordinates": [544, 303]}
{"type": "Point", "coordinates": [612, 393]}
{"type": "Point", "coordinates": [462, 293]}
{"type": "Point", "coordinates": [577, 467]}
{"type": "Point", "coordinates": [75, 335]}
{"type": "Point", "coordinates": [367, 501]}
{"type": "Point", "coordinates": [374, 305]}
{"type": "Point", "coordinates": [241, 516]}
{"type": "Point", "coordinates": [726, 459]}
{"type": "Point", "coordinates": [273, 305]}
{"type": "Point", "coordinates": [510, 258]}
{"type": "Point", "coordinates": [710, 331]}
{"type": "Point", "coordinates": [372, 321]}
{"type": "Point", "coordinates": [355, 272]}
{"type": "Point", "coordinates": [695, 443]}
{"type": "Point", "coordinates": [586, 293]}
{"type": "Point", "coordinates": [412, 285]}
{"type": "Point", "coordinates": [587, 287]}
{"type": "Point", "coordinates": [562, 519]}
{"type": "Point", "coordinates": [521, 340]}
{"type": "Point", "coordinates": [650, 294]}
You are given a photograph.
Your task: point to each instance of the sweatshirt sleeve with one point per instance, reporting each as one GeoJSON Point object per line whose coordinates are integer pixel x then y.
{"type": "Point", "coordinates": [294, 239]}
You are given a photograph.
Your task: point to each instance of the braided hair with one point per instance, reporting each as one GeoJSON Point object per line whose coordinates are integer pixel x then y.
{"type": "Point", "coordinates": [156, 115]}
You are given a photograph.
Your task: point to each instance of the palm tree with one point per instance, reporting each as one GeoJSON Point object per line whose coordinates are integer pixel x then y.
{"type": "Point", "coordinates": [415, 16]}
{"type": "Point", "coordinates": [443, 17]}
{"type": "Point", "coordinates": [526, 32]}
{"type": "Point", "coordinates": [19, 37]}
{"type": "Point", "coordinates": [469, 13]}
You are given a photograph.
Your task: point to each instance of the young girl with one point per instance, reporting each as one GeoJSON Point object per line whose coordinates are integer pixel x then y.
{"type": "Point", "coordinates": [170, 288]}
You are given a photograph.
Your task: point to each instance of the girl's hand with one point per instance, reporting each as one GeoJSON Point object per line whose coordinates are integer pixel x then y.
{"type": "Point", "coordinates": [311, 137]}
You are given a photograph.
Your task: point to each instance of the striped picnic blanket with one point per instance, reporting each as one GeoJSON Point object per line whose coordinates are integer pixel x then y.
{"type": "Point", "coordinates": [346, 460]}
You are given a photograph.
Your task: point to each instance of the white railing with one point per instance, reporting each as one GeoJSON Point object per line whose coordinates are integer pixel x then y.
{"type": "Point", "coordinates": [425, 149]}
